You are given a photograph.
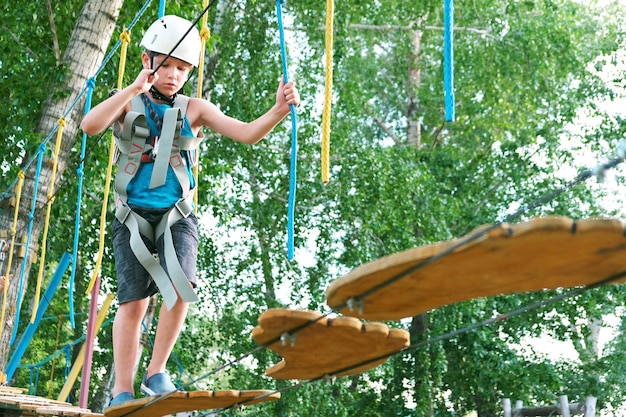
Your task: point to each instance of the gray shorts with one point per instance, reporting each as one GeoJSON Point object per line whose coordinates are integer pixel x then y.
{"type": "Point", "coordinates": [133, 281]}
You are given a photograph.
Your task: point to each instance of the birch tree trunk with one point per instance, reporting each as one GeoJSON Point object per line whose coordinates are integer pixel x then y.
{"type": "Point", "coordinates": [85, 52]}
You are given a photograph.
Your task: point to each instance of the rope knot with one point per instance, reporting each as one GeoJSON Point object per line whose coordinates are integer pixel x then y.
{"type": "Point", "coordinates": [125, 36]}
{"type": "Point", "coordinates": [91, 83]}
{"type": "Point", "coordinates": [62, 122]}
{"type": "Point", "coordinates": [205, 34]}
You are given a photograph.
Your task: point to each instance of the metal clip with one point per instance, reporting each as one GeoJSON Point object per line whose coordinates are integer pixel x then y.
{"type": "Point", "coordinates": [155, 148]}
{"type": "Point", "coordinates": [286, 337]}
{"type": "Point", "coordinates": [355, 304]}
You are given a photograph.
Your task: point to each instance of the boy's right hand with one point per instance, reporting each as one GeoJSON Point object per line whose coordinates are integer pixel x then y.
{"type": "Point", "coordinates": [144, 80]}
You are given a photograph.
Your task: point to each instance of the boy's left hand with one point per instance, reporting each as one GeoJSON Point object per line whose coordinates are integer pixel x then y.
{"type": "Point", "coordinates": [287, 94]}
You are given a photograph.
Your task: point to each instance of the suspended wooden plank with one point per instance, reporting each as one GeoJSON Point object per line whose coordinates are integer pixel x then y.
{"type": "Point", "coordinates": [325, 346]}
{"type": "Point", "coordinates": [543, 253]}
{"type": "Point", "coordinates": [182, 401]}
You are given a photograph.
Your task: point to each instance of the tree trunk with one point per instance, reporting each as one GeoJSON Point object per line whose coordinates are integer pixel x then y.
{"type": "Point", "coordinates": [85, 52]}
{"type": "Point", "coordinates": [414, 133]}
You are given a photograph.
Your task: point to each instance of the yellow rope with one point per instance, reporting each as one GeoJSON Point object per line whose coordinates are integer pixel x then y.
{"type": "Point", "coordinates": [205, 35]}
{"type": "Point", "coordinates": [44, 239]}
{"type": "Point", "coordinates": [18, 197]}
{"type": "Point", "coordinates": [80, 359]}
{"type": "Point", "coordinates": [125, 37]}
{"type": "Point", "coordinates": [328, 91]}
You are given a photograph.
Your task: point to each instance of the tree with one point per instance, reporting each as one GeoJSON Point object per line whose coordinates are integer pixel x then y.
{"type": "Point", "coordinates": [400, 177]}
{"type": "Point", "coordinates": [84, 52]}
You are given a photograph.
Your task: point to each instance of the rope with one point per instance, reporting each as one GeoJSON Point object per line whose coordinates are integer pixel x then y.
{"type": "Point", "coordinates": [161, 8]}
{"type": "Point", "coordinates": [91, 84]}
{"type": "Point", "coordinates": [448, 57]}
{"type": "Point", "coordinates": [205, 35]}
{"type": "Point", "coordinates": [125, 40]}
{"type": "Point", "coordinates": [80, 358]}
{"type": "Point", "coordinates": [328, 91]}
{"type": "Point", "coordinates": [31, 217]}
{"type": "Point", "coordinates": [44, 239]}
{"type": "Point", "coordinates": [294, 137]}
{"type": "Point", "coordinates": [7, 276]}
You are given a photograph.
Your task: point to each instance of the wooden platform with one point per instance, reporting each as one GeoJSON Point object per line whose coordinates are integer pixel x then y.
{"type": "Point", "coordinates": [14, 402]}
{"type": "Point", "coordinates": [189, 401]}
{"type": "Point", "coordinates": [325, 346]}
{"type": "Point", "coordinates": [543, 253]}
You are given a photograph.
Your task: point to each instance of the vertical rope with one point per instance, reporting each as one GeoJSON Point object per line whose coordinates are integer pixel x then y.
{"type": "Point", "coordinates": [328, 92]}
{"type": "Point", "coordinates": [46, 224]}
{"type": "Point", "coordinates": [72, 374]}
{"type": "Point", "coordinates": [205, 35]}
{"type": "Point", "coordinates": [161, 8]}
{"type": "Point", "coordinates": [125, 39]}
{"type": "Point", "coordinates": [448, 57]}
{"type": "Point", "coordinates": [31, 217]}
{"type": "Point", "coordinates": [83, 396]}
{"type": "Point", "coordinates": [294, 137]}
{"type": "Point", "coordinates": [18, 196]}
{"type": "Point", "coordinates": [91, 84]}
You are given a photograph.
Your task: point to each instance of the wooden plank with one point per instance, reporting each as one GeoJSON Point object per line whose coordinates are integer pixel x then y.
{"type": "Point", "coordinates": [325, 346]}
{"type": "Point", "coordinates": [543, 253]}
{"type": "Point", "coordinates": [20, 404]}
{"type": "Point", "coordinates": [181, 401]}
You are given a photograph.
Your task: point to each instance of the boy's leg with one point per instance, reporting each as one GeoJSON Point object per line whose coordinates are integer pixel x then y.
{"type": "Point", "coordinates": [169, 327]}
{"type": "Point", "coordinates": [126, 334]}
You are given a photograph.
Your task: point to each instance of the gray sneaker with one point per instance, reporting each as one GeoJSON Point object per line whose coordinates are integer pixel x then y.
{"type": "Point", "coordinates": [121, 398]}
{"type": "Point", "coordinates": [157, 384]}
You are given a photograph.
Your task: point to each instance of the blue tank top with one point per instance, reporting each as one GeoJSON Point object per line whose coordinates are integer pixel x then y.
{"type": "Point", "coordinates": [165, 196]}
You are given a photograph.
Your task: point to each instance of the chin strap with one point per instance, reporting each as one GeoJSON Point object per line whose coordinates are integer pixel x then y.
{"type": "Point", "coordinates": [160, 96]}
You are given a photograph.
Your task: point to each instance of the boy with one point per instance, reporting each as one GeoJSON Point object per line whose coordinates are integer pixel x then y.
{"type": "Point", "coordinates": [160, 131]}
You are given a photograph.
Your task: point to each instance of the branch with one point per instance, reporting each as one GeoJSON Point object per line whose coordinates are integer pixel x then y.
{"type": "Point", "coordinates": [484, 32]}
{"type": "Point", "coordinates": [17, 40]}
{"type": "Point", "coordinates": [53, 29]}
{"type": "Point", "coordinates": [382, 125]}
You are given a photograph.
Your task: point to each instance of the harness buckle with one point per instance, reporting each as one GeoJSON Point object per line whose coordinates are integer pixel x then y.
{"type": "Point", "coordinates": [122, 212]}
{"type": "Point", "coordinates": [184, 206]}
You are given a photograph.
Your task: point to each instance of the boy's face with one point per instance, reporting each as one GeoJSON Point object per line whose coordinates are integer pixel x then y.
{"type": "Point", "coordinates": [173, 72]}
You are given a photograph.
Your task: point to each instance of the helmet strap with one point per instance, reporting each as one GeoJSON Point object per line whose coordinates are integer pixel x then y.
{"type": "Point", "coordinates": [156, 94]}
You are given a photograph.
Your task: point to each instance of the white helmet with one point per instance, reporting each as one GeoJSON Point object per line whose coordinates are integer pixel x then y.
{"type": "Point", "coordinates": [166, 32]}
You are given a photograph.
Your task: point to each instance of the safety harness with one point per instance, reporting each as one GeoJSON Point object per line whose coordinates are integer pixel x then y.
{"type": "Point", "coordinates": [133, 148]}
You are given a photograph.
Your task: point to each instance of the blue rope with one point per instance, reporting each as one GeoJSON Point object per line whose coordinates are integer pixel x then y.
{"type": "Point", "coordinates": [31, 217]}
{"type": "Point", "coordinates": [161, 8]}
{"type": "Point", "coordinates": [294, 137]}
{"type": "Point", "coordinates": [448, 57]}
{"type": "Point", "coordinates": [91, 84]}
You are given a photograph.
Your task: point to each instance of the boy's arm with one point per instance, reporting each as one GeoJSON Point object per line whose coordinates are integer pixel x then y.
{"type": "Point", "coordinates": [114, 108]}
{"type": "Point", "coordinates": [252, 132]}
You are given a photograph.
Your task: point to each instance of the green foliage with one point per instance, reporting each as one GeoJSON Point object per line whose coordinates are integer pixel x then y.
{"type": "Point", "coordinates": [525, 73]}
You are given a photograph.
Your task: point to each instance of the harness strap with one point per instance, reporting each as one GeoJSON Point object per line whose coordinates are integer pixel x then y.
{"type": "Point", "coordinates": [182, 209]}
{"type": "Point", "coordinates": [132, 146]}
{"type": "Point", "coordinates": [136, 224]}
{"type": "Point", "coordinates": [172, 124]}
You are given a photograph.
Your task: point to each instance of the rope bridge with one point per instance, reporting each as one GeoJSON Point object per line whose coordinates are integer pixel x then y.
{"type": "Point", "coordinates": [355, 302]}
